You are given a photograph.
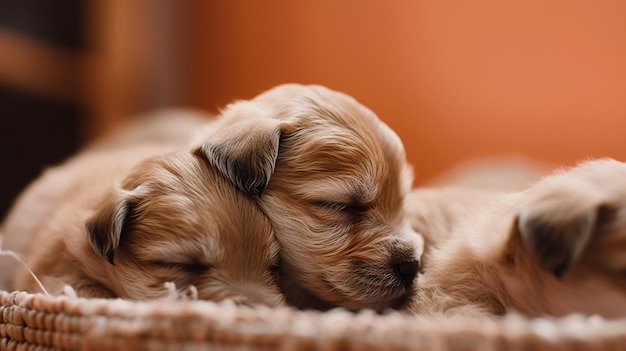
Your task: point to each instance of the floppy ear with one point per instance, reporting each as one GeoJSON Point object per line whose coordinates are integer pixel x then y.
{"type": "Point", "coordinates": [245, 153]}
{"type": "Point", "coordinates": [104, 228]}
{"type": "Point", "coordinates": [556, 242]}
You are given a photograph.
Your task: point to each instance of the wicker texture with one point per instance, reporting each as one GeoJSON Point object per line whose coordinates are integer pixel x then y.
{"type": "Point", "coordinates": [39, 322]}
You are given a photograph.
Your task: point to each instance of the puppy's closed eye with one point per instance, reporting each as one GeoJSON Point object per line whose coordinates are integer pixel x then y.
{"type": "Point", "coordinates": [351, 208]}
{"type": "Point", "coordinates": [344, 197]}
{"type": "Point", "coordinates": [342, 206]}
{"type": "Point", "coordinates": [192, 268]}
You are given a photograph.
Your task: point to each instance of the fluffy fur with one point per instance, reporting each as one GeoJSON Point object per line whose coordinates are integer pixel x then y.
{"type": "Point", "coordinates": [128, 215]}
{"type": "Point", "coordinates": [332, 179]}
{"type": "Point", "coordinates": [552, 249]}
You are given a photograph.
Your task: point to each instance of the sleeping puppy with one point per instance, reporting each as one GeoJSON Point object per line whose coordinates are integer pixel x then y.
{"type": "Point", "coordinates": [332, 179]}
{"type": "Point", "coordinates": [122, 219]}
{"type": "Point", "coordinates": [552, 249]}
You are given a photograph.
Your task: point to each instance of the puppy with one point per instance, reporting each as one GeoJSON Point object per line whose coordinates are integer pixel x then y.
{"type": "Point", "coordinates": [332, 179]}
{"type": "Point", "coordinates": [123, 218]}
{"type": "Point", "coordinates": [552, 249]}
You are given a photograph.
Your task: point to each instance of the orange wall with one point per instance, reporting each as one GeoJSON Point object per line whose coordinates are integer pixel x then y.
{"type": "Point", "coordinates": [455, 79]}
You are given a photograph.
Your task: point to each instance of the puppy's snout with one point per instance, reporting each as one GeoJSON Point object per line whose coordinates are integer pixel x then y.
{"type": "Point", "coordinates": [406, 272]}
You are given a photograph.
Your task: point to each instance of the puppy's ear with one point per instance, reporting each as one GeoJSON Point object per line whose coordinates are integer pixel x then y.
{"type": "Point", "coordinates": [245, 152]}
{"type": "Point", "coordinates": [104, 228]}
{"type": "Point", "coordinates": [556, 242]}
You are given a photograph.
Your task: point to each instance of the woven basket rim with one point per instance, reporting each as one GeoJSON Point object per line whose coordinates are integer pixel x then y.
{"type": "Point", "coordinates": [60, 322]}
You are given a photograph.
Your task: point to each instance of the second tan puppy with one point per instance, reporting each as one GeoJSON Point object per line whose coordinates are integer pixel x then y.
{"type": "Point", "coordinates": [553, 249]}
{"type": "Point", "coordinates": [332, 178]}
{"type": "Point", "coordinates": [129, 215]}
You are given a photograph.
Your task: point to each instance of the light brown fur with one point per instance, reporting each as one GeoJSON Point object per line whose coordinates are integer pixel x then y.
{"type": "Point", "coordinates": [552, 249]}
{"type": "Point", "coordinates": [157, 211]}
{"type": "Point", "coordinates": [332, 179]}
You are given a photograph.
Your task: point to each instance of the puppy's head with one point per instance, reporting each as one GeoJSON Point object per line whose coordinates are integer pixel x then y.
{"type": "Point", "coordinates": [332, 179]}
{"type": "Point", "coordinates": [175, 219]}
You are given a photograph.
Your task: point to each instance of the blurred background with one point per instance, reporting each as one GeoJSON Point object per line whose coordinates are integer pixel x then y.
{"type": "Point", "coordinates": [456, 79]}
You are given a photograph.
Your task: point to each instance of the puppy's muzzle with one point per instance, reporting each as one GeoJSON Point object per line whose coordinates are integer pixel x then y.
{"type": "Point", "coordinates": [403, 263]}
{"type": "Point", "coordinates": [406, 271]}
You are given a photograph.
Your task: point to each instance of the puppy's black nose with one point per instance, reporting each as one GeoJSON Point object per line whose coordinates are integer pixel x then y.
{"type": "Point", "coordinates": [406, 272]}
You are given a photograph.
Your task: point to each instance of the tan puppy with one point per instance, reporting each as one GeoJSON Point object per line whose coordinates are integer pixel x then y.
{"type": "Point", "coordinates": [553, 249]}
{"type": "Point", "coordinates": [123, 218]}
{"type": "Point", "coordinates": [332, 179]}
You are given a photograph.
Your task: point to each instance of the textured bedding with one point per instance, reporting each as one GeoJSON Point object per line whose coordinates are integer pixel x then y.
{"type": "Point", "coordinates": [40, 322]}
